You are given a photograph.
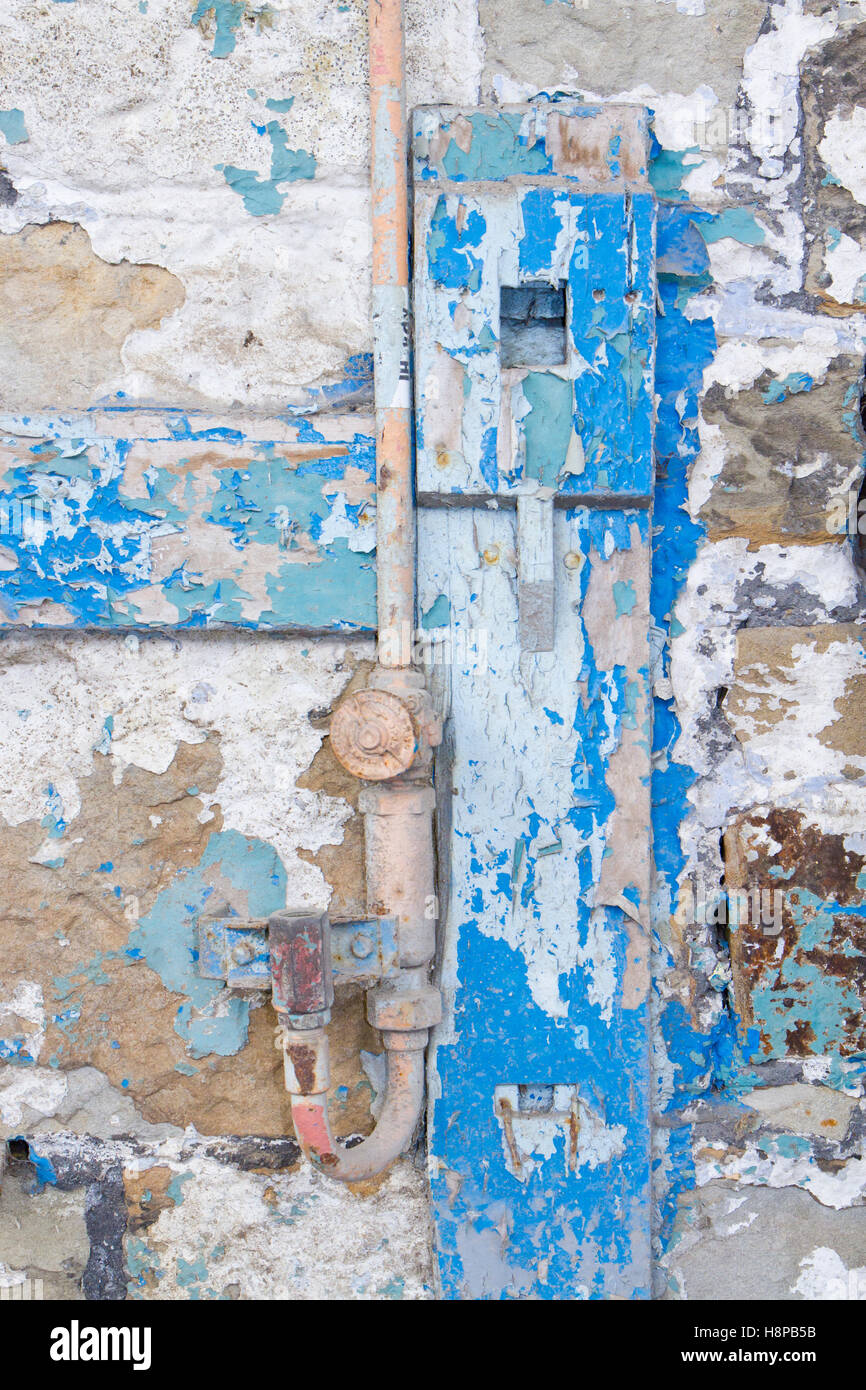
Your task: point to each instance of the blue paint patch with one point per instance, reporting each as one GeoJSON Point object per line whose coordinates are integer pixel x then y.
{"type": "Point", "coordinates": [12, 126]}
{"type": "Point", "coordinates": [438, 614]}
{"type": "Point", "coordinates": [263, 197]}
{"type": "Point", "coordinates": [228, 15]}
{"type": "Point", "coordinates": [208, 1019]}
{"type": "Point", "coordinates": [737, 223]}
{"type": "Point", "coordinates": [790, 385]}
{"type": "Point", "coordinates": [624, 597]}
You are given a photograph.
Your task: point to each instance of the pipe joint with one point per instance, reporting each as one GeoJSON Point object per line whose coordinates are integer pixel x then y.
{"type": "Point", "coordinates": [404, 1011]}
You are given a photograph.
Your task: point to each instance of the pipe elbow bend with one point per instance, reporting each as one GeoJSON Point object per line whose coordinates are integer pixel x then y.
{"type": "Point", "coordinates": [394, 1129]}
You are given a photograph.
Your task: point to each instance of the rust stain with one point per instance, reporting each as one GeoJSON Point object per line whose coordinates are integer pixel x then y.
{"type": "Point", "coordinates": [793, 984]}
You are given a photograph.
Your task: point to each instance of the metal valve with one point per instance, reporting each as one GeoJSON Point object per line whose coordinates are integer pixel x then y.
{"type": "Point", "coordinates": [385, 730]}
{"type": "Point", "coordinates": [373, 735]}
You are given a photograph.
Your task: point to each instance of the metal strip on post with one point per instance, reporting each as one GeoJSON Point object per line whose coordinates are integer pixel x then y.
{"type": "Point", "coordinates": [385, 734]}
{"type": "Point", "coordinates": [395, 522]}
{"type": "Point", "coordinates": [535, 447]}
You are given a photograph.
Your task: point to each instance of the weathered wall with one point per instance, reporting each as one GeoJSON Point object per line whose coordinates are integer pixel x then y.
{"type": "Point", "coordinates": [184, 224]}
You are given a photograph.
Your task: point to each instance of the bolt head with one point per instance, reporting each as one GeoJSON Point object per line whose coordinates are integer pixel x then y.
{"type": "Point", "coordinates": [362, 945]}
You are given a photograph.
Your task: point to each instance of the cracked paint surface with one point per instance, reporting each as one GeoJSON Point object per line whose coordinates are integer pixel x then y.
{"type": "Point", "coordinates": [180, 522]}
{"type": "Point", "coordinates": [545, 966]}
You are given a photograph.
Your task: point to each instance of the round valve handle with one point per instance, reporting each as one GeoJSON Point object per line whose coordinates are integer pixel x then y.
{"type": "Point", "coordinates": [373, 735]}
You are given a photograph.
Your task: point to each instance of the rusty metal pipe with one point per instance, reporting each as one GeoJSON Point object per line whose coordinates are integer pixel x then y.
{"type": "Point", "coordinates": [385, 734]}
{"type": "Point", "coordinates": [395, 521]}
{"type": "Point", "coordinates": [396, 1124]}
{"type": "Point", "coordinates": [398, 847]}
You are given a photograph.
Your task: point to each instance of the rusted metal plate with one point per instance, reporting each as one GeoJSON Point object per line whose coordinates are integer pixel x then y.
{"type": "Point", "coordinates": [164, 520]}
{"type": "Point", "coordinates": [235, 950]}
{"type": "Point", "coordinates": [797, 935]}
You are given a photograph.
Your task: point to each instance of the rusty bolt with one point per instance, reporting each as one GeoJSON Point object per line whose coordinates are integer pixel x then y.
{"type": "Point", "coordinates": [362, 946]}
{"type": "Point", "coordinates": [373, 735]}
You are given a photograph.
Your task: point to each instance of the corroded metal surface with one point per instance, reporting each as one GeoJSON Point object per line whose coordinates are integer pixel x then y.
{"type": "Point", "coordinates": [373, 735]}
{"type": "Point", "coordinates": [799, 954]}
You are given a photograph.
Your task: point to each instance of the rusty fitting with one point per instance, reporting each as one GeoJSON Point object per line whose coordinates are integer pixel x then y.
{"type": "Point", "coordinates": [398, 1010]}
{"type": "Point", "coordinates": [389, 728]}
{"type": "Point", "coordinates": [302, 977]}
{"type": "Point", "coordinates": [398, 849]}
{"type": "Point", "coordinates": [306, 1060]}
{"type": "Point", "coordinates": [373, 735]}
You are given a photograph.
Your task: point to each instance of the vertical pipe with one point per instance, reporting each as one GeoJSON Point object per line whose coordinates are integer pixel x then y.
{"type": "Point", "coordinates": [395, 563]}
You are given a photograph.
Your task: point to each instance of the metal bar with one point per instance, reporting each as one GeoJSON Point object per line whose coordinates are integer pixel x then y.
{"type": "Point", "coordinates": [395, 560]}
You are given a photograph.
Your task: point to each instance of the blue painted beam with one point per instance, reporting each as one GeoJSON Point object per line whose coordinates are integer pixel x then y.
{"type": "Point", "coordinates": [167, 521]}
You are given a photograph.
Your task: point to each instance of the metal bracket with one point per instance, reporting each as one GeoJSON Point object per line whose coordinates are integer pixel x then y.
{"type": "Point", "coordinates": [535, 591]}
{"type": "Point", "coordinates": [235, 949]}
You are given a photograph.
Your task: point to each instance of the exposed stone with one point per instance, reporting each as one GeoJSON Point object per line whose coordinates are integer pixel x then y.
{"type": "Point", "coordinates": [126, 850]}
{"type": "Point", "coordinates": [792, 453]}
{"type": "Point", "coordinates": [65, 314]}
{"type": "Point", "coordinates": [804, 1109]}
{"type": "Point", "coordinates": [732, 1242]}
{"type": "Point", "coordinates": [808, 684]}
{"type": "Point", "coordinates": [833, 91]}
{"type": "Point", "coordinates": [608, 49]}
{"type": "Point", "coordinates": [43, 1236]}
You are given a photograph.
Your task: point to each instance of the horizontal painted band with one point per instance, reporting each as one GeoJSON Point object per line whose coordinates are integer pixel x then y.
{"type": "Point", "coordinates": [607, 501]}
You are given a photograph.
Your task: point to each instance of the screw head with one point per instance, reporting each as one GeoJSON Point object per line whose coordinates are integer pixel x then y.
{"type": "Point", "coordinates": [362, 946]}
{"type": "Point", "coordinates": [243, 953]}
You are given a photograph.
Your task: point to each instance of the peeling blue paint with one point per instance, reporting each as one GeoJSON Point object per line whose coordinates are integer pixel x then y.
{"type": "Point", "coordinates": [89, 542]}
{"type": "Point", "coordinates": [527, 913]}
{"type": "Point", "coordinates": [12, 126]}
{"type": "Point", "coordinates": [263, 197]}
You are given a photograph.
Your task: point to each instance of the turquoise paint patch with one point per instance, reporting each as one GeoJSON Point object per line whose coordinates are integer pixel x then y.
{"type": "Point", "coordinates": [737, 223]}
{"type": "Point", "coordinates": [13, 127]}
{"type": "Point", "coordinates": [342, 586]}
{"type": "Point", "coordinates": [166, 937]}
{"type": "Point", "coordinates": [174, 1191]}
{"type": "Point", "coordinates": [670, 167]}
{"type": "Point", "coordinates": [548, 426]}
{"type": "Point", "coordinates": [438, 614]}
{"type": "Point", "coordinates": [624, 597]}
{"type": "Point", "coordinates": [227, 17]}
{"type": "Point", "coordinates": [282, 104]}
{"type": "Point", "coordinates": [496, 149]}
{"type": "Point", "coordinates": [262, 196]}
{"type": "Point", "coordinates": [790, 385]}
